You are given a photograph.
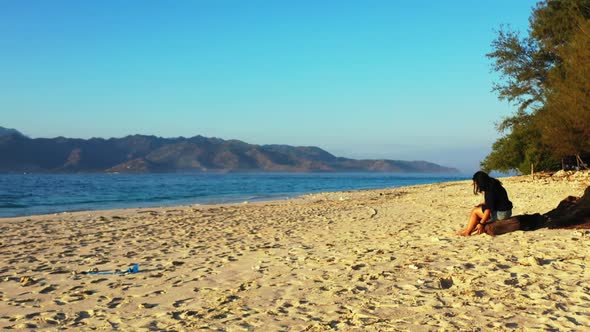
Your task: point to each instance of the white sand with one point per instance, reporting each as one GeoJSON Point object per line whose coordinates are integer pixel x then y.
{"type": "Point", "coordinates": [367, 260]}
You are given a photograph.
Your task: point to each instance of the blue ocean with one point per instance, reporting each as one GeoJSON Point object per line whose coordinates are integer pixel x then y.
{"type": "Point", "coordinates": [30, 194]}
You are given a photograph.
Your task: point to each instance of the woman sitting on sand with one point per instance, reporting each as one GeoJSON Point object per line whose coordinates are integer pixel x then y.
{"type": "Point", "coordinates": [496, 205]}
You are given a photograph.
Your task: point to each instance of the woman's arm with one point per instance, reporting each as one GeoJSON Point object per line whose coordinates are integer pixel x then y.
{"type": "Point", "coordinates": [486, 212]}
{"type": "Point", "coordinates": [486, 216]}
{"type": "Point", "coordinates": [483, 221]}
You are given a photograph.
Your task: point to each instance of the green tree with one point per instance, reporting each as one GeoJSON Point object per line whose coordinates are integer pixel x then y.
{"type": "Point", "coordinates": [565, 119]}
{"type": "Point", "coordinates": [519, 149]}
{"type": "Point", "coordinates": [529, 68]}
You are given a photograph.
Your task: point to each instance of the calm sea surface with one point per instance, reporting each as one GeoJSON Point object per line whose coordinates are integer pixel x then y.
{"type": "Point", "coordinates": [28, 194]}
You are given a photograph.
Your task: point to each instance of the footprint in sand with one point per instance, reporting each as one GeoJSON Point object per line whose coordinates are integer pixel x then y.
{"type": "Point", "coordinates": [60, 317]}
{"type": "Point", "coordinates": [33, 315]}
{"type": "Point", "coordinates": [358, 266]}
{"type": "Point", "coordinates": [24, 326]}
{"type": "Point", "coordinates": [180, 303]}
{"type": "Point", "coordinates": [98, 280]}
{"type": "Point", "coordinates": [47, 289]}
{"type": "Point", "coordinates": [229, 299]}
{"type": "Point", "coordinates": [116, 302]}
{"type": "Point", "coordinates": [81, 315]}
{"type": "Point", "coordinates": [185, 314]}
{"type": "Point", "coordinates": [445, 283]}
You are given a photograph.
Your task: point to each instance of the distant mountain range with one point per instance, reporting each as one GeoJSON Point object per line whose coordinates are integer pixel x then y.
{"type": "Point", "coordinates": [8, 131]}
{"type": "Point", "coordinates": [151, 154]}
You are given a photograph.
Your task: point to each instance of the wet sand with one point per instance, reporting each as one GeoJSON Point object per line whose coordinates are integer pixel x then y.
{"type": "Point", "coordinates": [373, 260]}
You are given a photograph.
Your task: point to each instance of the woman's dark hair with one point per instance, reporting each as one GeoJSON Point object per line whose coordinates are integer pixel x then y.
{"type": "Point", "coordinates": [482, 182]}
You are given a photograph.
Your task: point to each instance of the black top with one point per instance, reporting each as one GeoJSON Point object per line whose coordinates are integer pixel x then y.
{"type": "Point", "coordinates": [496, 198]}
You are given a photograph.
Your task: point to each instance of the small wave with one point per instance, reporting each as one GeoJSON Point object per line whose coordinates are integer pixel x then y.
{"type": "Point", "coordinates": [12, 206]}
{"type": "Point", "coordinates": [261, 198]}
{"type": "Point", "coordinates": [15, 196]}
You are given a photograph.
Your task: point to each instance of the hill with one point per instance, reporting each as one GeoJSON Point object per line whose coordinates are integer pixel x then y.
{"type": "Point", "coordinates": [9, 131]}
{"type": "Point", "coordinates": [150, 154]}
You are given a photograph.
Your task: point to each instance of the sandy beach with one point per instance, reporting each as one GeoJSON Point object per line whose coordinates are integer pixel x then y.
{"type": "Point", "coordinates": [378, 260]}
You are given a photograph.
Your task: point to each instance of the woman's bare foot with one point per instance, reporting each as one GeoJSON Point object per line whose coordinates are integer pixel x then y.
{"type": "Point", "coordinates": [463, 233]}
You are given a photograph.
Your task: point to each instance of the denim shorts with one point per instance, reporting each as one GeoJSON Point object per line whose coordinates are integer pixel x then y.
{"type": "Point", "coordinates": [500, 215]}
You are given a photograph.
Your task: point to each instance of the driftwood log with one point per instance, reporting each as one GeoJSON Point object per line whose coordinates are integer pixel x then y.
{"type": "Point", "coordinates": [572, 212]}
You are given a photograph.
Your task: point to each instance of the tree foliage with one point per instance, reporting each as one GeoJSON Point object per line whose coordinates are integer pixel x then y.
{"type": "Point", "coordinates": [521, 148]}
{"type": "Point", "coordinates": [565, 119]}
{"type": "Point", "coordinates": [546, 75]}
{"type": "Point", "coordinates": [523, 68]}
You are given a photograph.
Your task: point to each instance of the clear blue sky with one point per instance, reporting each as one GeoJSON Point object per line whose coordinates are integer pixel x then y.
{"type": "Point", "coordinates": [363, 79]}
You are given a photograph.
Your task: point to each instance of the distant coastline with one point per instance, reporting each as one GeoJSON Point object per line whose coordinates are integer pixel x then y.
{"type": "Point", "coordinates": [151, 154]}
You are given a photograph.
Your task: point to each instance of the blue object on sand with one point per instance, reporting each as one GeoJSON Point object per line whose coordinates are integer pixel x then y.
{"type": "Point", "coordinates": [132, 269]}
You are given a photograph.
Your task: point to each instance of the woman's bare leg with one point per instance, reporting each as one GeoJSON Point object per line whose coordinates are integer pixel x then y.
{"type": "Point", "coordinates": [474, 218]}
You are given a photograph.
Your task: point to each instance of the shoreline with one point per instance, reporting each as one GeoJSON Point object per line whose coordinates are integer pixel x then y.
{"type": "Point", "coordinates": [384, 259]}
{"type": "Point", "coordinates": [140, 209]}
{"type": "Point", "coordinates": [232, 194]}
